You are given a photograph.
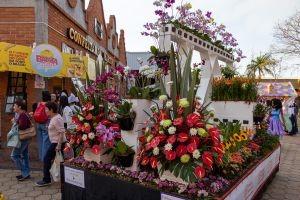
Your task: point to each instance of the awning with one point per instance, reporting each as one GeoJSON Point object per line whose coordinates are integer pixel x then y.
{"type": "Point", "coordinates": [45, 60]}
{"type": "Point", "coordinates": [276, 89]}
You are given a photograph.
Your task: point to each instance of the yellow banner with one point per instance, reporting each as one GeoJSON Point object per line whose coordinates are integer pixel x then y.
{"type": "Point", "coordinates": [17, 58]}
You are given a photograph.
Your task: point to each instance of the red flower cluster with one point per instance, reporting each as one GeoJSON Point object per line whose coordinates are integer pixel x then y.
{"type": "Point", "coordinates": [181, 139]}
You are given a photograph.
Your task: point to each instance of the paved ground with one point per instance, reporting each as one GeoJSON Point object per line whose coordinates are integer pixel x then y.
{"type": "Point", "coordinates": [12, 189]}
{"type": "Point", "coordinates": [286, 184]}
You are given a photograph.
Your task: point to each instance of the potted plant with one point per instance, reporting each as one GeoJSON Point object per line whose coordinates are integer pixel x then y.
{"type": "Point", "coordinates": [125, 115]}
{"type": "Point", "coordinates": [259, 113]}
{"type": "Point", "coordinates": [122, 154]}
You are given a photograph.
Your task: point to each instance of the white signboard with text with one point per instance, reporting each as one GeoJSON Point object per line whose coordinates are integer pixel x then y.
{"type": "Point", "coordinates": [74, 177]}
{"type": "Point", "coordinates": [248, 187]}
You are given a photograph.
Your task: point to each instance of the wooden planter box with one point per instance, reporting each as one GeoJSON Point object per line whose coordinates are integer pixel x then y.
{"type": "Point", "coordinates": [78, 184]}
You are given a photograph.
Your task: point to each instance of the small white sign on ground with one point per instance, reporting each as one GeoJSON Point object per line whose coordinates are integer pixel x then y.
{"type": "Point", "coordinates": [168, 197]}
{"type": "Point", "coordinates": [74, 177]}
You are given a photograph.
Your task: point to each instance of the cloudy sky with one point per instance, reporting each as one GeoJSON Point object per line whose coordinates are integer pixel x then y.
{"type": "Point", "coordinates": [250, 21]}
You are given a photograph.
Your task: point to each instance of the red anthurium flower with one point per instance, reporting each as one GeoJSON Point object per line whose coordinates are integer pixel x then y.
{"type": "Point", "coordinates": [180, 150]}
{"type": "Point", "coordinates": [191, 147]}
{"type": "Point", "coordinates": [89, 116]}
{"type": "Point", "coordinates": [153, 162]}
{"type": "Point", "coordinates": [96, 149]}
{"type": "Point", "coordinates": [192, 119]}
{"type": "Point", "coordinates": [106, 122]}
{"type": "Point", "coordinates": [178, 121]}
{"type": "Point", "coordinates": [162, 138]}
{"type": "Point", "coordinates": [171, 139]}
{"type": "Point", "coordinates": [218, 149]}
{"type": "Point", "coordinates": [199, 172]}
{"type": "Point", "coordinates": [148, 146]}
{"type": "Point", "coordinates": [200, 124]}
{"type": "Point", "coordinates": [207, 158]}
{"type": "Point", "coordinates": [115, 127]}
{"type": "Point", "coordinates": [170, 155]}
{"type": "Point", "coordinates": [182, 137]}
{"type": "Point", "coordinates": [145, 161]}
{"type": "Point", "coordinates": [195, 139]}
{"type": "Point", "coordinates": [154, 142]}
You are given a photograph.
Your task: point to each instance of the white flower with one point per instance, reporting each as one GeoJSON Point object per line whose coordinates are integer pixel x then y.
{"type": "Point", "coordinates": [155, 151]}
{"type": "Point", "coordinates": [168, 147]}
{"type": "Point", "coordinates": [91, 135]}
{"type": "Point", "coordinates": [202, 192]}
{"type": "Point", "coordinates": [193, 131]}
{"type": "Point", "coordinates": [221, 138]}
{"type": "Point", "coordinates": [147, 129]}
{"type": "Point", "coordinates": [84, 137]}
{"type": "Point", "coordinates": [196, 154]}
{"type": "Point", "coordinates": [126, 69]}
{"type": "Point", "coordinates": [169, 104]}
{"type": "Point", "coordinates": [172, 130]}
{"type": "Point", "coordinates": [163, 98]}
{"type": "Point", "coordinates": [161, 132]}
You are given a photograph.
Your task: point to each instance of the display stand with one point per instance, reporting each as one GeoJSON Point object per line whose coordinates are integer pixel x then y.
{"type": "Point", "coordinates": [79, 184]}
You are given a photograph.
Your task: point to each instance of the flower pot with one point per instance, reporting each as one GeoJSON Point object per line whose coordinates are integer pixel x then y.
{"type": "Point", "coordinates": [125, 161]}
{"type": "Point", "coordinates": [126, 124]}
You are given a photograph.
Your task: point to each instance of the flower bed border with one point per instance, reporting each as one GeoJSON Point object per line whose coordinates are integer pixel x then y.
{"type": "Point", "coordinates": [80, 193]}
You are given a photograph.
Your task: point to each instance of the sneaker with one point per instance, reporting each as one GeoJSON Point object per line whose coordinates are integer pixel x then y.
{"type": "Point", "coordinates": [42, 183]}
{"type": "Point", "coordinates": [23, 178]}
{"type": "Point", "coordinates": [18, 177]}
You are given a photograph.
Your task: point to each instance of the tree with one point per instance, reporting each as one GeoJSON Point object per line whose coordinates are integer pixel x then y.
{"type": "Point", "coordinates": [287, 34]}
{"type": "Point", "coordinates": [262, 65]}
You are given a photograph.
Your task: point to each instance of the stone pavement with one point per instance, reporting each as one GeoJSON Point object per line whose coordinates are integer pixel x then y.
{"type": "Point", "coordinates": [286, 184]}
{"type": "Point", "coordinates": [12, 189]}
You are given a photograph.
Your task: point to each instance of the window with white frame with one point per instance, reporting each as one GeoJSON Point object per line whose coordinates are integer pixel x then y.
{"type": "Point", "coordinates": [98, 29]}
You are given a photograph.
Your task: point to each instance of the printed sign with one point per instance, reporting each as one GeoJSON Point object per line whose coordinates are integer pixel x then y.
{"type": "Point", "coordinates": [46, 60]}
{"type": "Point", "coordinates": [168, 197]}
{"type": "Point", "coordinates": [248, 187]}
{"type": "Point", "coordinates": [39, 82]}
{"type": "Point", "coordinates": [74, 177]}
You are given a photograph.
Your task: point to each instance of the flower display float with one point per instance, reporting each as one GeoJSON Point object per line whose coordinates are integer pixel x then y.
{"type": "Point", "coordinates": [179, 139]}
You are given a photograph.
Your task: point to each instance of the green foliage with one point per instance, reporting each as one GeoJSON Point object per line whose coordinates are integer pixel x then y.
{"type": "Point", "coordinates": [261, 65]}
{"type": "Point", "coordinates": [228, 72]}
{"type": "Point", "coordinates": [260, 110]}
{"type": "Point", "coordinates": [144, 93]}
{"type": "Point", "coordinates": [267, 142]}
{"type": "Point", "coordinates": [124, 110]}
{"type": "Point", "coordinates": [235, 89]}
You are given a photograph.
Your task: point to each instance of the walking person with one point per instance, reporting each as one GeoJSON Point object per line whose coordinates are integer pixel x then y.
{"type": "Point", "coordinates": [20, 154]}
{"type": "Point", "coordinates": [42, 121]}
{"type": "Point", "coordinates": [276, 119]}
{"type": "Point", "coordinates": [293, 112]}
{"type": "Point", "coordinates": [57, 137]}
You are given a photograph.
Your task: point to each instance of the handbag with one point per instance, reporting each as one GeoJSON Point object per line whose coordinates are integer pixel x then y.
{"type": "Point", "coordinates": [27, 133]}
{"type": "Point", "coordinates": [55, 168]}
{"type": "Point", "coordinates": [13, 137]}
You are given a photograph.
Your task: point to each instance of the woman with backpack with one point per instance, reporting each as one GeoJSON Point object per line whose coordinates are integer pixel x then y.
{"type": "Point", "coordinates": [57, 137]}
{"type": "Point", "coordinates": [20, 154]}
{"type": "Point", "coordinates": [41, 119]}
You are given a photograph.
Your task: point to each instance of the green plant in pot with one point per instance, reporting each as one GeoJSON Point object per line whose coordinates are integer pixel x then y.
{"type": "Point", "coordinates": [125, 115]}
{"type": "Point", "coordinates": [123, 154]}
{"type": "Point", "coordinates": [259, 113]}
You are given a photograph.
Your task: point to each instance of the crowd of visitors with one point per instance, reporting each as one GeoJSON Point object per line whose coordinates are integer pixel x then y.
{"type": "Point", "coordinates": [51, 119]}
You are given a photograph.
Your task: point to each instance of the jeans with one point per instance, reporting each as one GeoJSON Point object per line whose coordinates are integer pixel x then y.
{"type": "Point", "coordinates": [21, 158]}
{"type": "Point", "coordinates": [293, 119]}
{"type": "Point", "coordinates": [43, 140]}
